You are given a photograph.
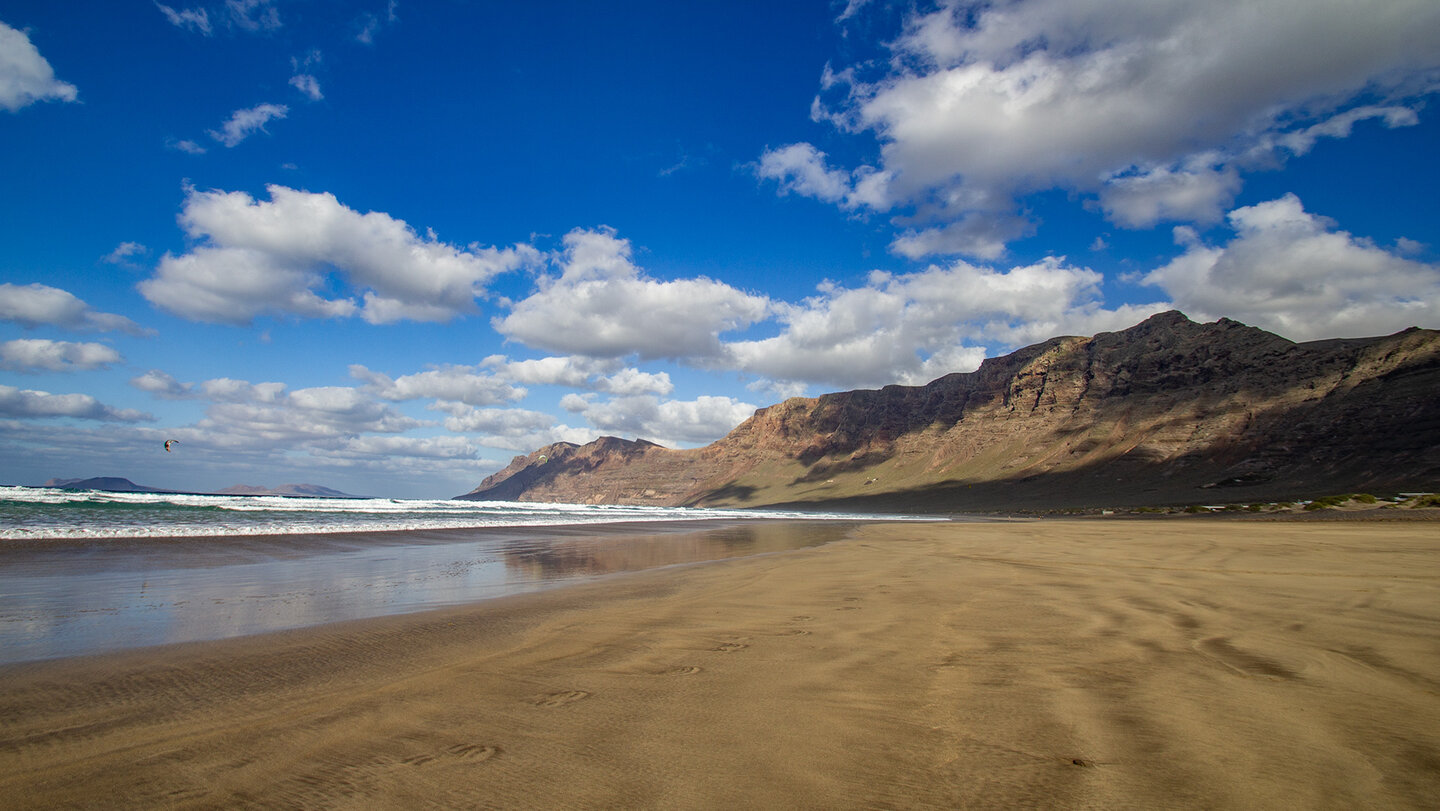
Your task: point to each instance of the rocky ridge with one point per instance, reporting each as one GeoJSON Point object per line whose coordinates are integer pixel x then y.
{"type": "Point", "coordinates": [1166, 412]}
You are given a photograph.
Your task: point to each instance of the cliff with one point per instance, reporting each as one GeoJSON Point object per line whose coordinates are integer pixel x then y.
{"type": "Point", "coordinates": [1166, 412]}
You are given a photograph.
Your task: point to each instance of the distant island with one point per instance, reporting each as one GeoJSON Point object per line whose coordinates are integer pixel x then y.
{"type": "Point", "coordinates": [117, 484]}
{"type": "Point", "coordinates": [109, 484]}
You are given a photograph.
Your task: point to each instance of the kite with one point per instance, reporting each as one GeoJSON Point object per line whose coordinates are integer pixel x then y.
{"type": "Point", "coordinates": [170, 442]}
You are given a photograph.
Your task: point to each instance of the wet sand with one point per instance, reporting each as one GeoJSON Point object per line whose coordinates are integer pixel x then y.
{"type": "Point", "coordinates": [62, 598]}
{"type": "Point", "coordinates": [1052, 664]}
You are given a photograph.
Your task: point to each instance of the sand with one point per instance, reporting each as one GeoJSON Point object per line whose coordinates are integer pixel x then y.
{"type": "Point", "coordinates": [1052, 664]}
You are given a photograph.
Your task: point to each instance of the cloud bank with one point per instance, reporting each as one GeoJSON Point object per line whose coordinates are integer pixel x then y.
{"type": "Point", "coordinates": [1151, 108]}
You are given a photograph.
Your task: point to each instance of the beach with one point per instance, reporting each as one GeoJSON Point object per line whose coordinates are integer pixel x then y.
{"type": "Point", "coordinates": [1089, 663]}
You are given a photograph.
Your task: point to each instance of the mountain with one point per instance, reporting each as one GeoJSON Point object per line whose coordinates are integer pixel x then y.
{"type": "Point", "coordinates": [305, 490]}
{"type": "Point", "coordinates": [112, 484]}
{"type": "Point", "coordinates": [1166, 412]}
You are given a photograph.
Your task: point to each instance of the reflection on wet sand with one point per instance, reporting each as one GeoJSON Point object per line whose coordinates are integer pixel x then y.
{"type": "Point", "coordinates": [591, 556]}
{"type": "Point", "coordinates": [72, 599]}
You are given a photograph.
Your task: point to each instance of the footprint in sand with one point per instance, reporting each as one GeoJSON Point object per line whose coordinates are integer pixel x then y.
{"type": "Point", "coordinates": [559, 699]}
{"type": "Point", "coordinates": [686, 670]}
{"type": "Point", "coordinates": [727, 647]}
{"type": "Point", "coordinates": [801, 618]}
{"type": "Point", "coordinates": [473, 751]}
{"type": "Point", "coordinates": [794, 632]}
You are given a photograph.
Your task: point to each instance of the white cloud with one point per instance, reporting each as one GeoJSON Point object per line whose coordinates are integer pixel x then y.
{"type": "Point", "coordinates": [195, 19]}
{"type": "Point", "coordinates": [187, 146]}
{"type": "Point", "coordinates": [986, 102]}
{"type": "Point", "coordinates": [253, 15]}
{"type": "Point", "coordinates": [34, 304]}
{"type": "Point", "coordinates": [259, 257]}
{"type": "Point", "coordinates": [247, 122]}
{"type": "Point", "coordinates": [461, 384]}
{"type": "Point", "coordinates": [514, 429]}
{"type": "Point", "coordinates": [162, 384]}
{"type": "Point", "coordinates": [33, 354]}
{"type": "Point", "coordinates": [912, 328]}
{"type": "Point", "coordinates": [666, 422]}
{"type": "Point", "coordinates": [303, 415]}
{"type": "Point", "coordinates": [27, 403]}
{"type": "Point", "coordinates": [802, 169]}
{"type": "Point", "coordinates": [385, 448]}
{"type": "Point", "coordinates": [124, 251]}
{"type": "Point", "coordinates": [602, 306]}
{"type": "Point", "coordinates": [594, 374]}
{"type": "Point", "coordinates": [1140, 199]}
{"type": "Point", "coordinates": [25, 76]}
{"type": "Point", "coordinates": [1291, 272]}
{"type": "Point", "coordinates": [1340, 125]}
{"type": "Point", "coordinates": [307, 84]}
{"type": "Point", "coordinates": [370, 24]}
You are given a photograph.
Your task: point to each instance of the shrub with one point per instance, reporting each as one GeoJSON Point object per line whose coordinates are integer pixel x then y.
{"type": "Point", "coordinates": [1194, 508]}
{"type": "Point", "coordinates": [1365, 498]}
{"type": "Point", "coordinates": [1432, 500]}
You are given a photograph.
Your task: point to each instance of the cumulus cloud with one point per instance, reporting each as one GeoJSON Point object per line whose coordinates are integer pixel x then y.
{"type": "Point", "coordinates": [162, 384]}
{"type": "Point", "coordinates": [244, 123]}
{"type": "Point", "coordinates": [256, 257]}
{"type": "Point", "coordinates": [1198, 193]}
{"type": "Point", "coordinates": [601, 305]}
{"type": "Point", "coordinates": [387, 448]}
{"type": "Point", "coordinates": [593, 374]}
{"type": "Point", "coordinates": [25, 76]}
{"type": "Point", "coordinates": [911, 328]}
{"type": "Point", "coordinates": [33, 355]}
{"type": "Point", "coordinates": [32, 305]}
{"type": "Point", "coordinates": [803, 169]}
{"type": "Point", "coordinates": [666, 422]}
{"type": "Point", "coordinates": [302, 415]}
{"type": "Point", "coordinates": [513, 429]}
{"type": "Point", "coordinates": [1292, 272]}
{"type": "Point", "coordinates": [36, 404]}
{"type": "Point", "coordinates": [461, 384]}
{"type": "Point", "coordinates": [983, 103]}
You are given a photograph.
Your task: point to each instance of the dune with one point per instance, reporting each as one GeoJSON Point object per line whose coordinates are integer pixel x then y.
{"type": "Point", "coordinates": [1056, 664]}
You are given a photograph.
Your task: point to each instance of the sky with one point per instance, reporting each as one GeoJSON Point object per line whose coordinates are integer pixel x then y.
{"type": "Point", "coordinates": [387, 245]}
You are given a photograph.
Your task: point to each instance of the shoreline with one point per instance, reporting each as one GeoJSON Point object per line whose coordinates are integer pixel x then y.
{"type": "Point", "coordinates": [68, 598]}
{"type": "Point", "coordinates": [1060, 663]}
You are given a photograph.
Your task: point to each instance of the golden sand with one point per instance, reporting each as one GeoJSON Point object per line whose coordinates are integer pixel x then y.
{"type": "Point", "coordinates": [1054, 664]}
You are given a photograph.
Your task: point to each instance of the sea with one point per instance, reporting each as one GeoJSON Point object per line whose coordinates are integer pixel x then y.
{"type": "Point", "coordinates": [85, 572]}
{"type": "Point", "coordinates": [51, 513]}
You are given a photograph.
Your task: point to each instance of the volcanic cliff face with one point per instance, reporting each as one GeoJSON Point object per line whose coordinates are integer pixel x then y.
{"type": "Point", "coordinates": [1166, 412]}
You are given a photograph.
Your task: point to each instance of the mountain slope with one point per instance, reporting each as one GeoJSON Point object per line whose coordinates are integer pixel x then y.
{"type": "Point", "coordinates": [1168, 411]}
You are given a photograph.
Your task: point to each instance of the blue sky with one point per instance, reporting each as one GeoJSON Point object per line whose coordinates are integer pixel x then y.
{"type": "Point", "coordinates": [386, 246]}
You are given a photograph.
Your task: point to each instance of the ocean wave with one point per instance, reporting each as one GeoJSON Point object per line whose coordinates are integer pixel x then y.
{"type": "Point", "coordinates": [39, 513]}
